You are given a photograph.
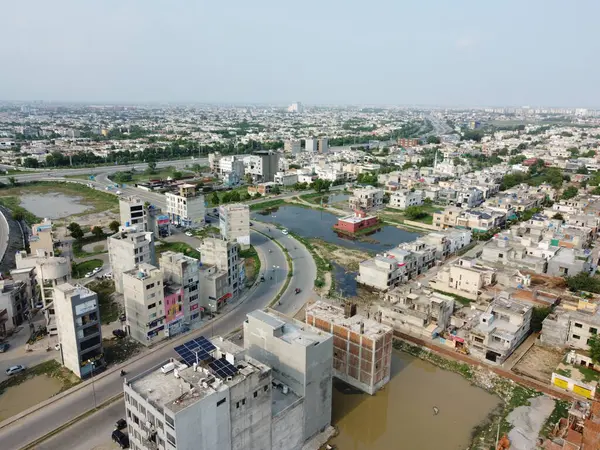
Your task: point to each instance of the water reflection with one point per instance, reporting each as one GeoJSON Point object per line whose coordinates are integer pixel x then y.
{"type": "Point", "coordinates": [401, 415]}
{"type": "Point", "coordinates": [310, 223]}
{"type": "Point", "coordinates": [345, 282]}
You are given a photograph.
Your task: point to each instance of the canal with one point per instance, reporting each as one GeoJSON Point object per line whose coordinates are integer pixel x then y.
{"type": "Point", "coordinates": [310, 223]}
{"type": "Point", "coordinates": [401, 415]}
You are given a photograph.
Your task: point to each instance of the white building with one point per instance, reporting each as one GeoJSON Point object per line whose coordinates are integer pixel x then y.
{"type": "Point", "coordinates": [187, 208]}
{"type": "Point", "coordinates": [225, 256]}
{"type": "Point", "coordinates": [79, 329]}
{"type": "Point", "coordinates": [404, 199]}
{"type": "Point", "coordinates": [126, 249]}
{"type": "Point", "coordinates": [262, 165]}
{"type": "Point", "coordinates": [301, 358]}
{"type": "Point", "coordinates": [234, 222]}
{"type": "Point", "coordinates": [285, 179]}
{"type": "Point", "coordinates": [133, 213]}
{"type": "Point", "coordinates": [197, 407]}
{"type": "Point", "coordinates": [366, 199]}
{"type": "Point", "coordinates": [292, 146]}
{"type": "Point", "coordinates": [311, 145]}
{"type": "Point", "coordinates": [143, 292]}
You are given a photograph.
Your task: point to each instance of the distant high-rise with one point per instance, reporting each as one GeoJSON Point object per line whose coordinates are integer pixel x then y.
{"type": "Point", "coordinates": [295, 107]}
{"type": "Point", "coordinates": [311, 145]}
{"type": "Point", "coordinates": [292, 146]}
{"type": "Point", "coordinates": [323, 145]}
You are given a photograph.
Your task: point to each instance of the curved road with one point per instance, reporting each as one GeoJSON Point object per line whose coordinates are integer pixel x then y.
{"type": "Point", "coordinates": [109, 384]}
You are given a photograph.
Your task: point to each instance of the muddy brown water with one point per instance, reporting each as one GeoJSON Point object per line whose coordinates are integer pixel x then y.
{"type": "Point", "coordinates": [401, 416]}
{"type": "Point", "coordinates": [53, 205]}
{"type": "Point", "coordinates": [27, 394]}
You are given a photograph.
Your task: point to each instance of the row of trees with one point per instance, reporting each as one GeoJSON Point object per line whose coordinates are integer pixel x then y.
{"type": "Point", "coordinates": [98, 232]}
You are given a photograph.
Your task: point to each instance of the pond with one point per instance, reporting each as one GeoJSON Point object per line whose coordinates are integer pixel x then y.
{"type": "Point", "coordinates": [311, 223]}
{"type": "Point", "coordinates": [401, 416]}
{"type": "Point", "coordinates": [53, 205]}
{"type": "Point", "coordinates": [345, 281]}
{"type": "Point", "coordinates": [27, 394]}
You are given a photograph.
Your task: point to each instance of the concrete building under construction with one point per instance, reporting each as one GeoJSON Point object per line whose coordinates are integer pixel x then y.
{"type": "Point", "coordinates": [362, 347]}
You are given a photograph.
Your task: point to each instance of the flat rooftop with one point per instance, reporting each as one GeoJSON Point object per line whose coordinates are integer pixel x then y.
{"type": "Point", "coordinates": [335, 315]}
{"type": "Point", "coordinates": [290, 330]}
{"type": "Point", "coordinates": [76, 289]}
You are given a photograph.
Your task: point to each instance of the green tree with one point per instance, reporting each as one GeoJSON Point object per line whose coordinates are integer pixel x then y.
{"type": "Point", "coordinates": [517, 159]}
{"type": "Point", "coordinates": [569, 192]}
{"type": "Point", "coordinates": [433, 140]}
{"type": "Point", "coordinates": [583, 282]}
{"type": "Point", "coordinates": [226, 198]}
{"type": "Point", "coordinates": [257, 195]}
{"type": "Point", "coordinates": [176, 174]}
{"type": "Point", "coordinates": [582, 170]}
{"type": "Point", "coordinates": [558, 216]}
{"type": "Point", "coordinates": [114, 226]}
{"type": "Point", "coordinates": [407, 165]}
{"type": "Point", "coordinates": [215, 199]}
{"type": "Point", "coordinates": [18, 216]}
{"type": "Point", "coordinates": [235, 196]}
{"type": "Point", "coordinates": [30, 162]}
{"type": "Point", "coordinates": [414, 213]}
{"type": "Point", "coordinates": [151, 167]}
{"type": "Point", "coordinates": [538, 315]}
{"type": "Point", "coordinates": [275, 190]}
{"type": "Point", "coordinates": [245, 196]}
{"type": "Point", "coordinates": [13, 181]}
{"type": "Point", "coordinates": [75, 230]}
{"type": "Point", "coordinates": [594, 343]}
{"type": "Point", "coordinates": [97, 231]}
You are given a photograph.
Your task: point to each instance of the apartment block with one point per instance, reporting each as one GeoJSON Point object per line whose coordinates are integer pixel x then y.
{"type": "Point", "coordinates": [234, 222]}
{"type": "Point", "coordinates": [15, 300]}
{"type": "Point", "coordinates": [263, 165]}
{"type": "Point", "coordinates": [143, 292]}
{"type": "Point", "coordinates": [136, 215]}
{"type": "Point", "coordinates": [323, 145]}
{"type": "Point", "coordinates": [183, 272]}
{"type": "Point", "coordinates": [366, 199]}
{"type": "Point", "coordinates": [301, 359]}
{"type": "Point", "coordinates": [187, 208]}
{"type": "Point", "coordinates": [362, 347]}
{"type": "Point", "coordinates": [41, 238]}
{"type": "Point", "coordinates": [225, 256]}
{"type": "Point", "coordinates": [311, 145]}
{"type": "Point", "coordinates": [501, 329]}
{"type": "Point", "coordinates": [214, 288]}
{"type": "Point", "coordinates": [293, 146]}
{"type": "Point", "coordinates": [465, 277]}
{"type": "Point", "coordinates": [79, 329]}
{"type": "Point", "coordinates": [126, 249]}
{"type": "Point", "coordinates": [571, 328]}
{"type": "Point", "coordinates": [404, 199]}
{"type": "Point", "coordinates": [199, 407]}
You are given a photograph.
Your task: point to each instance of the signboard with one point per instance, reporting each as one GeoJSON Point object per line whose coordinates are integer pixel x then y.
{"type": "Point", "coordinates": [561, 383]}
{"type": "Point", "coordinates": [585, 392]}
{"type": "Point", "coordinates": [86, 307]}
{"type": "Point", "coordinates": [162, 220]}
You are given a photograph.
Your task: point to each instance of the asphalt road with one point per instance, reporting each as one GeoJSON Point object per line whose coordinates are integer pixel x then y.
{"type": "Point", "coordinates": [43, 421]}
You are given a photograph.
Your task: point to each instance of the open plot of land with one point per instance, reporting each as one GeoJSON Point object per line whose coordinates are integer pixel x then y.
{"type": "Point", "coordinates": [349, 259]}
{"type": "Point", "coordinates": [538, 363]}
{"type": "Point", "coordinates": [178, 247]}
{"type": "Point", "coordinates": [398, 216]}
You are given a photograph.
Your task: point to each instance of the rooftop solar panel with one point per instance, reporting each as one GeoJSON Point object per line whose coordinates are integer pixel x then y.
{"type": "Point", "coordinates": [223, 368]}
{"type": "Point", "coordinates": [195, 350]}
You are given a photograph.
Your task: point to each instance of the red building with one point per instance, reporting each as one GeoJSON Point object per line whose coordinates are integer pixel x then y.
{"type": "Point", "coordinates": [408, 142]}
{"type": "Point", "coordinates": [358, 221]}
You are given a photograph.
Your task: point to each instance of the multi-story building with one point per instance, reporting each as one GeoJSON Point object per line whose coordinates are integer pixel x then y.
{"type": "Point", "coordinates": [28, 277]}
{"type": "Point", "coordinates": [143, 292]}
{"type": "Point", "coordinates": [79, 329]}
{"type": "Point", "coordinates": [187, 208]}
{"type": "Point", "coordinates": [202, 407]}
{"type": "Point", "coordinates": [225, 256]}
{"type": "Point", "coordinates": [387, 270]}
{"type": "Point", "coordinates": [501, 329]}
{"type": "Point", "coordinates": [404, 199]}
{"type": "Point", "coordinates": [14, 298]}
{"type": "Point", "coordinates": [572, 327]}
{"type": "Point", "coordinates": [292, 146]}
{"type": "Point", "coordinates": [285, 179]}
{"type": "Point", "coordinates": [301, 359]}
{"type": "Point", "coordinates": [234, 222]}
{"type": "Point", "coordinates": [366, 199]}
{"type": "Point", "coordinates": [214, 288]}
{"type": "Point", "coordinates": [311, 145]}
{"type": "Point", "coordinates": [135, 213]}
{"type": "Point", "coordinates": [465, 277]}
{"type": "Point", "coordinates": [41, 238]}
{"type": "Point", "coordinates": [231, 164]}
{"type": "Point", "coordinates": [407, 142]}
{"type": "Point", "coordinates": [183, 271]}
{"type": "Point", "coordinates": [362, 347]}
{"type": "Point", "coordinates": [126, 249]}
{"type": "Point", "coordinates": [263, 165]}
{"type": "Point", "coordinates": [323, 145]}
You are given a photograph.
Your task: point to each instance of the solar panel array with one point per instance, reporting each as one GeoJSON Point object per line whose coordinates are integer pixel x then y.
{"type": "Point", "coordinates": [195, 350]}
{"type": "Point", "coordinates": [223, 368]}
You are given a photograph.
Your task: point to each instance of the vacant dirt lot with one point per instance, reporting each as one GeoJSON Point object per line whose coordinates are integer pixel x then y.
{"type": "Point", "coordinates": [538, 363]}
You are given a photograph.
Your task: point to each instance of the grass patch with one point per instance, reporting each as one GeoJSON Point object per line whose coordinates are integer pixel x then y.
{"type": "Point", "coordinates": [14, 204]}
{"type": "Point", "coordinates": [79, 270]}
{"type": "Point", "coordinates": [109, 309]}
{"type": "Point", "coordinates": [99, 201]}
{"type": "Point", "coordinates": [206, 232]}
{"type": "Point", "coordinates": [77, 246]}
{"type": "Point", "coordinates": [564, 372]}
{"type": "Point", "coordinates": [251, 264]}
{"type": "Point", "coordinates": [462, 300]}
{"type": "Point", "coordinates": [177, 247]}
{"type": "Point", "coordinates": [560, 411]}
{"type": "Point", "coordinates": [268, 204]}
{"type": "Point", "coordinates": [117, 351]}
{"type": "Point", "coordinates": [51, 368]}
{"type": "Point", "coordinates": [322, 265]}
{"type": "Point", "coordinates": [588, 374]}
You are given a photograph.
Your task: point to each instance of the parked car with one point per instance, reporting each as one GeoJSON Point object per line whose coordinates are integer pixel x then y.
{"type": "Point", "coordinates": [89, 274]}
{"type": "Point", "coordinates": [119, 334]}
{"type": "Point", "coordinates": [262, 278]}
{"type": "Point", "coordinates": [4, 347]}
{"type": "Point", "coordinates": [120, 438]}
{"type": "Point", "coordinates": [120, 424]}
{"type": "Point", "coordinates": [57, 346]}
{"type": "Point", "coordinates": [13, 370]}
{"type": "Point", "coordinates": [284, 231]}
{"type": "Point", "coordinates": [39, 305]}
{"type": "Point", "coordinates": [96, 270]}
{"type": "Point", "coordinates": [189, 233]}
{"type": "Point", "coordinates": [118, 192]}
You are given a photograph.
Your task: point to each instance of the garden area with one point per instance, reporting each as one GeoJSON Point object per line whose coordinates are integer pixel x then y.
{"type": "Point", "coordinates": [177, 247]}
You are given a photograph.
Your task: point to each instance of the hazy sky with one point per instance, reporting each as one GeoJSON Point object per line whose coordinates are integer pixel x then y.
{"type": "Point", "coordinates": [427, 52]}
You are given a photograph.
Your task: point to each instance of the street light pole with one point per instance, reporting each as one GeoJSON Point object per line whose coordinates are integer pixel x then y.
{"type": "Point", "coordinates": [93, 387]}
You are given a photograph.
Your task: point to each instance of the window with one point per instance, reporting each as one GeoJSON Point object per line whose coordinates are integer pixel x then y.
{"type": "Point", "coordinates": [576, 337]}
{"type": "Point", "coordinates": [266, 387]}
{"type": "Point", "coordinates": [170, 421]}
{"type": "Point", "coordinates": [593, 330]}
{"type": "Point", "coordinates": [171, 439]}
{"type": "Point", "coordinates": [152, 305]}
{"type": "Point", "coordinates": [255, 394]}
{"type": "Point", "coordinates": [243, 401]}
{"type": "Point", "coordinates": [237, 404]}
{"type": "Point", "coordinates": [220, 402]}
{"type": "Point", "coordinates": [150, 286]}
{"type": "Point", "coordinates": [578, 325]}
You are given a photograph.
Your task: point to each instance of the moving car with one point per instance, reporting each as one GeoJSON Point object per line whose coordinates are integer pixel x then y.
{"type": "Point", "coordinates": [118, 192]}
{"type": "Point", "coordinates": [96, 270]}
{"type": "Point", "coordinates": [284, 231]}
{"type": "Point", "coordinates": [13, 370]}
{"type": "Point", "coordinates": [4, 347]}
{"type": "Point", "coordinates": [189, 233]}
{"type": "Point", "coordinates": [120, 424]}
{"type": "Point", "coordinates": [120, 438]}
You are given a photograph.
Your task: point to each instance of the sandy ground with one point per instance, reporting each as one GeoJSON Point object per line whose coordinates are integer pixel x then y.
{"type": "Point", "coordinates": [349, 259]}
{"type": "Point", "coordinates": [95, 247]}
{"type": "Point", "coordinates": [539, 363]}
{"type": "Point", "coordinates": [31, 392]}
{"type": "Point", "coordinates": [528, 422]}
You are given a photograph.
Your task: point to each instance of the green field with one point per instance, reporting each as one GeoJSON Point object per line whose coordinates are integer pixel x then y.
{"type": "Point", "coordinates": [178, 247]}
{"type": "Point", "coordinates": [79, 270]}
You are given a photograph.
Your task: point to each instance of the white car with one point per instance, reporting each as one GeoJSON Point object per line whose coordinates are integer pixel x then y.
{"type": "Point", "coordinates": [96, 270]}
{"type": "Point", "coordinates": [285, 231]}
{"type": "Point", "coordinates": [189, 233]}
{"type": "Point", "coordinates": [13, 370]}
{"type": "Point", "coordinates": [89, 274]}
{"type": "Point", "coordinates": [118, 192]}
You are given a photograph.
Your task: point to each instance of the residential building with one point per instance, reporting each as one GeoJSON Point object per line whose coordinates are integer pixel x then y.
{"type": "Point", "coordinates": [27, 276]}
{"type": "Point", "coordinates": [301, 359]}
{"type": "Point", "coordinates": [79, 329]}
{"type": "Point", "coordinates": [362, 347]}
{"type": "Point", "coordinates": [197, 407]}
{"type": "Point", "coordinates": [571, 327]}
{"type": "Point", "coordinates": [356, 222]}
{"type": "Point", "coordinates": [403, 199]}
{"type": "Point", "coordinates": [225, 256]}
{"type": "Point", "coordinates": [501, 329]}
{"type": "Point", "coordinates": [263, 165]}
{"type": "Point", "coordinates": [366, 199]}
{"type": "Point", "coordinates": [14, 299]}
{"type": "Point", "coordinates": [137, 215]}
{"type": "Point", "coordinates": [181, 274]}
{"type": "Point", "coordinates": [311, 145]}
{"type": "Point", "coordinates": [293, 146]}
{"type": "Point", "coordinates": [232, 164]}
{"type": "Point", "coordinates": [41, 238]}
{"type": "Point", "coordinates": [465, 278]}
{"type": "Point", "coordinates": [446, 218]}
{"type": "Point", "coordinates": [422, 313]}
{"type": "Point", "coordinates": [510, 251]}
{"type": "Point", "coordinates": [408, 142]}
{"type": "Point", "coordinates": [323, 145]}
{"type": "Point", "coordinates": [469, 197]}
{"type": "Point", "coordinates": [387, 270]}
{"type": "Point", "coordinates": [570, 262]}
{"type": "Point", "coordinates": [285, 179]}
{"type": "Point", "coordinates": [187, 208]}
{"type": "Point", "coordinates": [234, 222]}
{"type": "Point", "coordinates": [214, 288]}
{"type": "Point", "coordinates": [143, 292]}
{"type": "Point", "coordinates": [126, 249]}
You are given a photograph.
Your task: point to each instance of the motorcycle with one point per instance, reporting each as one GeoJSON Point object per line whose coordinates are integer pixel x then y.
{"type": "Point", "coordinates": [297, 291]}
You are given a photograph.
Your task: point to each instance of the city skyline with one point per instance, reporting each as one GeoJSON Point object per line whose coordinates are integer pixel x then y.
{"type": "Point", "coordinates": [337, 53]}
